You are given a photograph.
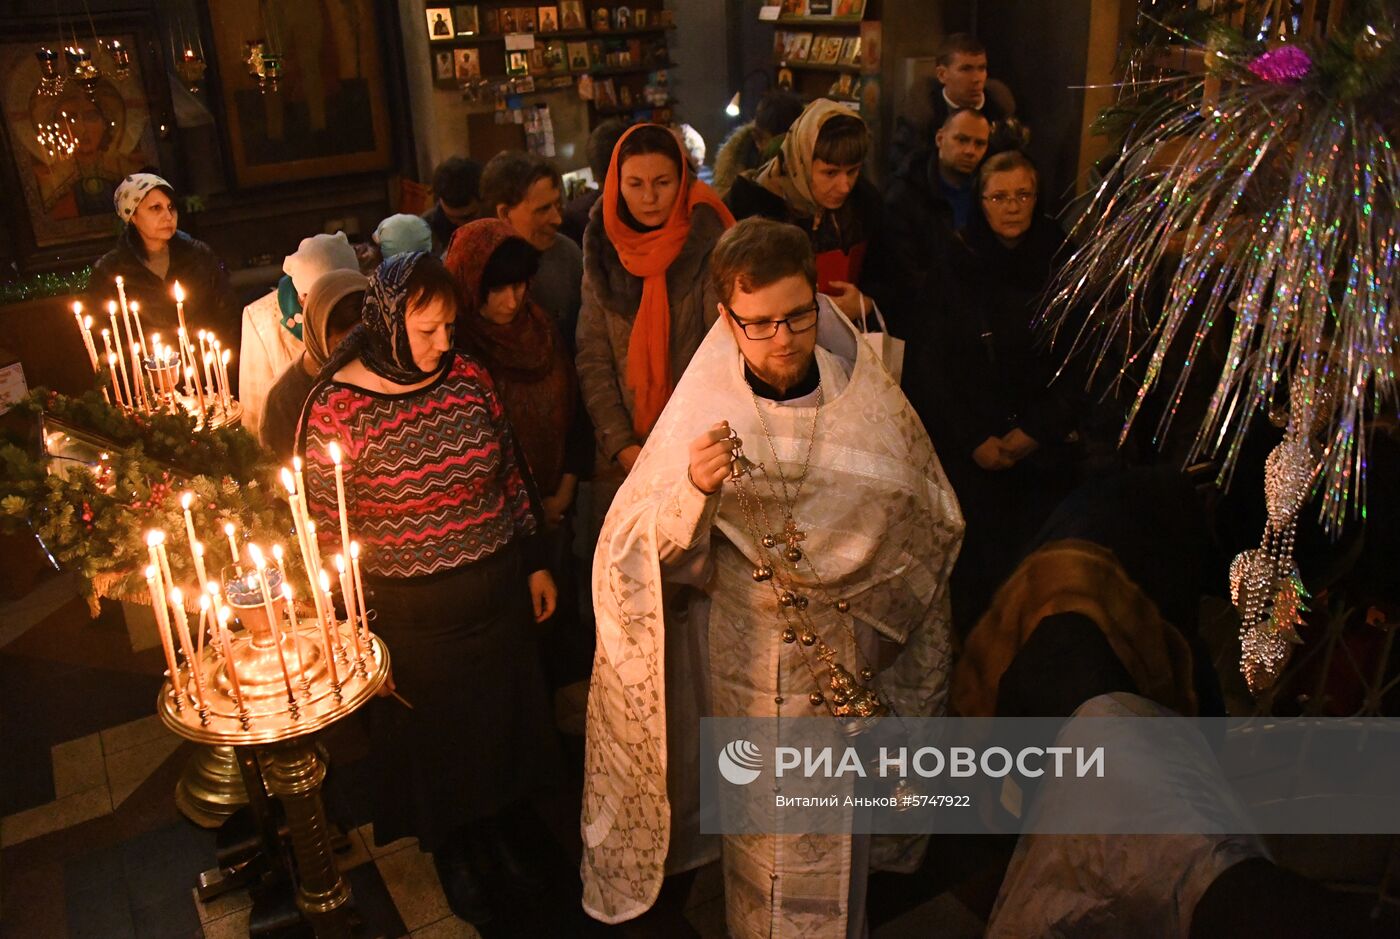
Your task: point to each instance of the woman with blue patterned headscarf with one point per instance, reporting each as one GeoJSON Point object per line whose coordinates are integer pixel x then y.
{"type": "Point", "coordinates": [438, 499]}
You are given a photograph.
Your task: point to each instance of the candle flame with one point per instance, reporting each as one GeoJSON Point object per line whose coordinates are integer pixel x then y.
{"type": "Point", "coordinates": [176, 596]}
{"type": "Point", "coordinates": [179, 292]}
{"type": "Point", "coordinates": [150, 572]}
{"type": "Point", "coordinates": [325, 581]}
{"type": "Point", "coordinates": [256, 554]}
{"type": "Point", "coordinates": [198, 548]}
{"type": "Point", "coordinates": [212, 589]}
{"type": "Point", "coordinates": [287, 591]}
{"type": "Point", "coordinates": [185, 499]}
{"type": "Point", "coordinates": [340, 563]}
{"type": "Point", "coordinates": [288, 481]}
{"type": "Point", "coordinates": [135, 306]}
{"type": "Point", "coordinates": [77, 308]}
{"type": "Point", "coordinates": [111, 357]}
{"type": "Point", "coordinates": [277, 552]}
{"type": "Point", "coordinates": [87, 322]}
{"type": "Point", "coordinates": [119, 277]}
{"type": "Point", "coordinates": [226, 356]}
{"type": "Point", "coordinates": [354, 549]}
{"type": "Point", "coordinates": [228, 529]}
{"type": "Point", "coordinates": [224, 614]}
{"type": "Point", "coordinates": [111, 307]}
{"type": "Point", "coordinates": [334, 451]}
{"type": "Point", "coordinates": [203, 603]}
{"type": "Point", "coordinates": [155, 537]}
{"type": "Point", "coordinates": [296, 463]}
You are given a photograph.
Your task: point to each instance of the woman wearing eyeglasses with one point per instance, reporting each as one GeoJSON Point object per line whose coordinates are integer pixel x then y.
{"type": "Point", "coordinates": [647, 299]}
{"type": "Point", "coordinates": [1006, 435]}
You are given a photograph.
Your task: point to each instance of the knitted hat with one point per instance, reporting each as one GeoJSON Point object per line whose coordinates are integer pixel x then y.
{"type": "Point", "coordinates": [317, 255]}
{"type": "Point", "coordinates": [401, 233]}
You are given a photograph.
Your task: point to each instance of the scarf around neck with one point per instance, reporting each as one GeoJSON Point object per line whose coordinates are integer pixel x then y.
{"type": "Point", "coordinates": [789, 174]}
{"type": "Point", "coordinates": [649, 255]}
{"type": "Point", "coordinates": [386, 351]}
{"type": "Point", "coordinates": [526, 357]}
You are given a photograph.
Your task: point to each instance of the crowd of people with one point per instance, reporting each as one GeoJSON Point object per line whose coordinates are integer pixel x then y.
{"type": "Point", "coordinates": [486, 365]}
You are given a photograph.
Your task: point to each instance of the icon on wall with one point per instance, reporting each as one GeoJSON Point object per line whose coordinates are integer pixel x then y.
{"type": "Point", "coordinates": [439, 24]}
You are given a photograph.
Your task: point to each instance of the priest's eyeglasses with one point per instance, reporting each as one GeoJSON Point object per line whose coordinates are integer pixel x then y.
{"type": "Point", "coordinates": [797, 322]}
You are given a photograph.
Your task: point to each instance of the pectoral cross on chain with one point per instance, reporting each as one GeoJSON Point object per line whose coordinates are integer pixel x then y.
{"type": "Point", "coordinates": [791, 536]}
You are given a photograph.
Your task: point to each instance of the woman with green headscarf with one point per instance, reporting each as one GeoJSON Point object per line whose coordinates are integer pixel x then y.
{"type": "Point", "coordinates": [815, 183]}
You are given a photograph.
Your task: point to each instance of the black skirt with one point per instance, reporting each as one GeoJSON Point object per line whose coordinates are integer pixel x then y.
{"type": "Point", "coordinates": [480, 734]}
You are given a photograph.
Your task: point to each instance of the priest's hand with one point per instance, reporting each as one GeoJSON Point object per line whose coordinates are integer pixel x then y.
{"type": "Point", "coordinates": [710, 456]}
{"type": "Point", "coordinates": [543, 595]}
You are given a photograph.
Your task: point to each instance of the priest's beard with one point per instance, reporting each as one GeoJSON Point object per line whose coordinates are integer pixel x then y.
{"type": "Point", "coordinates": [782, 371]}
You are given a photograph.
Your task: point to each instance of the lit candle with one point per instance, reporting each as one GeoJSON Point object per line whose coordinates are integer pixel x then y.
{"type": "Point", "coordinates": [299, 525]}
{"type": "Point", "coordinates": [347, 594]}
{"type": "Point", "coordinates": [186, 499]}
{"type": "Point", "coordinates": [187, 361]}
{"type": "Point", "coordinates": [222, 617]}
{"type": "Point", "coordinates": [121, 358]}
{"type": "Point", "coordinates": [334, 450]}
{"type": "Point", "coordinates": [182, 623]}
{"type": "Point", "coordinates": [157, 540]}
{"type": "Point", "coordinates": [140, 333]}
{"type": "Point", "coordinates": [233, 549]}
{"type": "Point", "coordinates": [130, 332]}
{"type": "Point", "coordinates": [139, 367]}
{"type": "Point", "coordinates": [224, 357]}
{"type": "Point", "coordinates": [206, 357]}
{"type": "Point", "coordinates": [112, 370]}
{"type": "Point", "coordinates": [86, 334]}
{"type": "Point", "coordinates": [261, 565]}
{"type": "Point", "coordinates": [359, 586]}
{"type": "Point", "coordinates": [327, 645]}
{"type": "Point", "coordinates": [179, 293]}
{"type": "Point", "coordinates": [121, 292]}
{"type": "Point", "coordinates": [157, 589]}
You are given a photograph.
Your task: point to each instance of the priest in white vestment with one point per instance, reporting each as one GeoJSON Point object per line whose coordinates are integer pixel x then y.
{"type": "Point", "coordinates": [696, 606]}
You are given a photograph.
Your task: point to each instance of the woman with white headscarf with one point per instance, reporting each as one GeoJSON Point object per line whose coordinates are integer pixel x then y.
{"type": "Point", "coordinates": [151, 254]}
{"type": "Point", "coordinates": [274, 324]}
{"type": "Point", "coordinates": [332, 310]}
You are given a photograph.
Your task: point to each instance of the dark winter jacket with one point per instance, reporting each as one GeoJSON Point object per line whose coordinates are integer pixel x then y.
{"type": "Point", "coordinates": [209, 301]}
{"type": "Point", "coordinates": [979, 369]}
{"type": "Point", "coordinates": [914, 130]}
{"type": "Point", "coordinates": [919, 235]}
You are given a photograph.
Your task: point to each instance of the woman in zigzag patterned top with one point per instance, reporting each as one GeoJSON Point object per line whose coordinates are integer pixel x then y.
{"type": "Point", "coordinates": [436, 495]}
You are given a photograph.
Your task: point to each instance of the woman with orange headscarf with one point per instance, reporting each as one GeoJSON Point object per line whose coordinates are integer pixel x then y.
{"type": "Point", "coordinates": [647, 298]}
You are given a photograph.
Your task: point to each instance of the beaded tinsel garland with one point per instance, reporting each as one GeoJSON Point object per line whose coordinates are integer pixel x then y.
{"type": "Point", "coordinates": [1265, 197]}
{"type": "Point", "coordinates": [1271, 207]}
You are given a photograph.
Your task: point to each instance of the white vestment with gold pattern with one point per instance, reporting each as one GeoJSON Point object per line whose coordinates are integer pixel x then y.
{"type": "Point", "coordinates": [684, 631]}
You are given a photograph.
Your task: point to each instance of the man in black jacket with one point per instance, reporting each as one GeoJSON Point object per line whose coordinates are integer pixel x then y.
{"type": "Point", "coordinates": [927, 200]}
{"type": "Point", "coordinates": [960, 82]}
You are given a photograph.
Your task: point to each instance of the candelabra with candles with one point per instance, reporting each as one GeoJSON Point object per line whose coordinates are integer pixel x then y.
{"type": "Point", "coordinates": [190, 375]}
{"type": "Point", "coordinates": [290, 670]}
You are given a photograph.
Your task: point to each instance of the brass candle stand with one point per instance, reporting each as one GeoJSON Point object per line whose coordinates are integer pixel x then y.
{"type": "Point", "coordinates": [264, 690]}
